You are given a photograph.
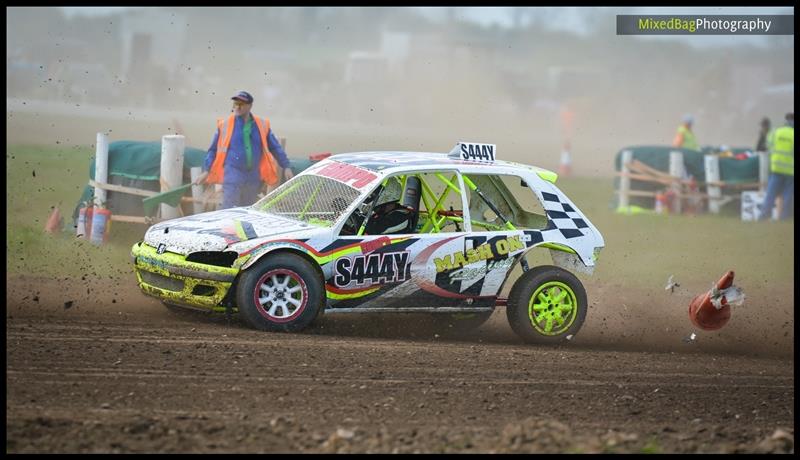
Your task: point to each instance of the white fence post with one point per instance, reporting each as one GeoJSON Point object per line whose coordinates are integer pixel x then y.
{"type": "Point", "coordinates": [625, 180]}
{"type": "Point", "coordinates": [676, 170]}
{"type": "Point", "coordinates": [711, 163]}
{"type": "Point", "coordinates": [172, 146]}
{"type": "Point", "coordinates": [197, 190]}
{"type": "Point", "coordinates": [763, 171]}
{"type": "Point", "coordinates": [101, 169]}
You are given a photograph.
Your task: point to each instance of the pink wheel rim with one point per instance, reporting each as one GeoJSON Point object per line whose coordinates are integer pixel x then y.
{"type": "Point", "coordinates": [280, 295]}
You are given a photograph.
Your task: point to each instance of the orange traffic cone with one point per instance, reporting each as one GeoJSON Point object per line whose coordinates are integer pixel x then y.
{"type": "Point", "coordinates": [712, 310]}
{"type": "Point", "coordinates": [53, 222]}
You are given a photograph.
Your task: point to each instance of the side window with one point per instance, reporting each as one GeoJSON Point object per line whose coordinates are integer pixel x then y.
{"type": "Point", "coordinates": [424, 202]}
{"type": "Point", "coordinates": [509, 195]}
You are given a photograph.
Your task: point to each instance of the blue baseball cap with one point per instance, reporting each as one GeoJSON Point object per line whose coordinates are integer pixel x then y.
{"type": "Point", "coordinates": [243, 96]}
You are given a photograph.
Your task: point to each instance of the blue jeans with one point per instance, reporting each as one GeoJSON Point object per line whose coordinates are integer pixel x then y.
{"type": "Point", "coordinates": [783, 184]}
{"type": "Point", "coordinates": [239, 194]}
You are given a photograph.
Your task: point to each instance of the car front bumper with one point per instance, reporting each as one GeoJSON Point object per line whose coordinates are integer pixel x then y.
{"type": "Point", "coordinates": [173, 279]}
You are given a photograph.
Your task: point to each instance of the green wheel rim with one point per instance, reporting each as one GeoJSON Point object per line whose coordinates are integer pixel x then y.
{"type": "Point", "coordinates": [553, 308]}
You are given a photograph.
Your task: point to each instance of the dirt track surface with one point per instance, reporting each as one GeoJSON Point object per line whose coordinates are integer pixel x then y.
{"type": "Point", "coordinates": [115, 371]}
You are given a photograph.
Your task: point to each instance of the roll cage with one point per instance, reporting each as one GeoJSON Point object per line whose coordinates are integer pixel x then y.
{"type": "Point", "coordinates": [435, 217]}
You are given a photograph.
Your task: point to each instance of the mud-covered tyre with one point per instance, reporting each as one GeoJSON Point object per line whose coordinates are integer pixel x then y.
{"type": "Point", "coordinates": [547, 304]}
{"type": "Point", "coordinates": [282, 292]}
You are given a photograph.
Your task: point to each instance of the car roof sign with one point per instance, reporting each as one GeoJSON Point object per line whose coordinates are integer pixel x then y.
{"type": "Point", "coordinates": [474, 151]}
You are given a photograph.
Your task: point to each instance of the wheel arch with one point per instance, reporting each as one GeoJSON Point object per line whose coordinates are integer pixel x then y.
{"type": "Point", "coordinates": [541, 247]}
{"type": "Point", "coordinates": [283, 250]}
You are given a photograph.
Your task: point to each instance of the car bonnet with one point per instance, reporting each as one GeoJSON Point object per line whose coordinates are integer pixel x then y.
{"type": "Point", "coordinates": [215, 231]}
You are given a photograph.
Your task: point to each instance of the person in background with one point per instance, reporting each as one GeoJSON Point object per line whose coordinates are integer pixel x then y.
{"type": "Point", "coordinates": [762, 144]}
{"type": "Point", "coordinates": [241, 155]}
{"type": "Point", "coordinates": [781, 170]}
{"type": "Point", "coordinates": [684, 137]}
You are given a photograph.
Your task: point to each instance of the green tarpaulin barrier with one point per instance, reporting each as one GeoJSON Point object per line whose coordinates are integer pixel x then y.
{"type": "Point", "coordinates": [135, 164]}
{"type": "Point", "coordinates": [142, 160]}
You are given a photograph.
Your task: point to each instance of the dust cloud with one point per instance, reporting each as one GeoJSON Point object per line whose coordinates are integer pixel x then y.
{"type": "Point", "coordinates": [358, 79]}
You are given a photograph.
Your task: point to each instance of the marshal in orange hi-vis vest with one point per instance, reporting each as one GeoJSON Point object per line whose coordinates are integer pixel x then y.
{"type": "Point", "coordinates": [267, 168]}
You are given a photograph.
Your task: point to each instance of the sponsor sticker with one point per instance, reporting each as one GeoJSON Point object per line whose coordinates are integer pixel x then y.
{"type": "Point", "coordinates": [348, 174]}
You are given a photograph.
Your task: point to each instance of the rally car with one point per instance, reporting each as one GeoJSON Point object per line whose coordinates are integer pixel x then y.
{"type": "Point", "coordinates": [385, 232]}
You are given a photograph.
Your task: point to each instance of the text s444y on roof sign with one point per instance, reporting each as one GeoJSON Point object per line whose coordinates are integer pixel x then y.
{"type": "Point", "coordinates": [474, 151]}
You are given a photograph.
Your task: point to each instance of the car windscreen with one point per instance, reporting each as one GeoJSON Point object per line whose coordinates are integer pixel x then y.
{"type": "Point", "coordinates": [309, 198]}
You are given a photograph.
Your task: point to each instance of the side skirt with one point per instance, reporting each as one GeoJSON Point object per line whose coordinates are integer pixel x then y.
{"type": "Point", "coordinates": [410, 310]}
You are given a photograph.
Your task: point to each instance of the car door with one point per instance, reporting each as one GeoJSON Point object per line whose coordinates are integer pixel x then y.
{"type": "Point", "coordinates": [410, 270]}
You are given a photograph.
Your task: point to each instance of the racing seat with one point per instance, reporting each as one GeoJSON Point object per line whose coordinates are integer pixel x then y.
{"type": "Point", "coordinates": [397, 217]}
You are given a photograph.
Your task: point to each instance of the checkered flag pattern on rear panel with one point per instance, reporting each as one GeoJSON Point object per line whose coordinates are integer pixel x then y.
{"type": "Point", "coordinates": [562, 217]}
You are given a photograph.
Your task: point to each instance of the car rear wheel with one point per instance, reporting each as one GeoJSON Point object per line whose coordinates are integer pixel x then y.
{"type": "Point", "coordinates": [282, 292]}
{"type": "Point", "coordinates": [547, 304]}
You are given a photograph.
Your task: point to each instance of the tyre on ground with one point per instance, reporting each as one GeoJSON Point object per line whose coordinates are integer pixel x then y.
{"type": "Point", "coordinates": [281, 292]}
{"type": "Point", "coordinates": [547, 305]}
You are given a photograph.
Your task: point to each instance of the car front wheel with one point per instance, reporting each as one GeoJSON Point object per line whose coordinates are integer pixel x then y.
{"type": "Point", "coordinates": [282, 292]}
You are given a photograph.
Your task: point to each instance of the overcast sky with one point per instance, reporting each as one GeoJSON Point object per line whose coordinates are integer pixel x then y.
{"type": "Point", "coordinates": [563, 18]}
